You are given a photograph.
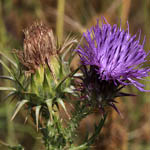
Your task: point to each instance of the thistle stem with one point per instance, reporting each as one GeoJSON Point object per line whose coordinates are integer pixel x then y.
{"type": "Point", "coordinates": [97, 130]}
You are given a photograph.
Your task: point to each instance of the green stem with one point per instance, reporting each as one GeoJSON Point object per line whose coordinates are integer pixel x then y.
{"type": "Point", "coordinates": [97, 130]}
{"type": "Point", "coordinates": [92, 139]}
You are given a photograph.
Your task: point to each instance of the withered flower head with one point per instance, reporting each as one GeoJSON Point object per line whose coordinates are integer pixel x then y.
{"type": "Point", "coordinates": [39, 46]}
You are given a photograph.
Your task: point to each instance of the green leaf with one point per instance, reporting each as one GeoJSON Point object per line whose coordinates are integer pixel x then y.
{"type": "Point", "coordinates": [6, 67]}
{"type": "Point", "coordinates": [77, 74]}
{"type": "Point", "coordinates": [7, 89]}
{"type": "Point", "coordinates": [60, 101]}
{"type": "Point", "coordinates": [10, 60]}
{"type": "Point", "coordinates": [7, 77]}
{"type": "Point", "coordinates": [37, 112]}
{"type": "Point", "coordinates": [69, 89]}
{"type": "Point", "coordinates": [18, 107]}
{"type": "Point", "coordinates": [9, 95]}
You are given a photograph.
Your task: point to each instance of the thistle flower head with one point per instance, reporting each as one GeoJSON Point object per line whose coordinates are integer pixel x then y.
{"type": "Point", "coordinates": [115, 54]}
{"type": "Point", "coordinates": [39, 46]}
{"type": "Point", "coordinates": [111, 59]}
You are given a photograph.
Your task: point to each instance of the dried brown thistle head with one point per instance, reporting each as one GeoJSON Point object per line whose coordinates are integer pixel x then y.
{"type": "Point", "coordinates": [39, 46]}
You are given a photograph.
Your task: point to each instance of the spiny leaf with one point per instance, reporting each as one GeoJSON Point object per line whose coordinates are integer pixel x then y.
{"type": "Point", "coordinates": [7, 77]}
{"type": "Point", "coordinates": [13, 78]}
{"type": "Point", "coordinates": [10, 94]}
{"type": "Point", "coordinates": [60, 101]}
{"type": "Point", "coordinates": [37, 112]}
{"type": "Point", "coordinates": [115, 108]}
{"type": "Point", "coordinates": [72, 55]}
{"type": "Point", "coordinates": [120, 94]}
{"type": "Point", "coordinates": [7, 89]}
{"type": "Point", "coordinates": [69, 89]}
{"type": "Point", "coordinates": [6, 67]}
{"type": "Point", "coordinates": [10, 60]}
{"type": "Point", "coordinates": [77, 75]}
{"type": "Point", "coordinates": [18, 107]}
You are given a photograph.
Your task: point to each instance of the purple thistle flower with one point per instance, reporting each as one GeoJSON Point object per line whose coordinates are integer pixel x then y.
{"type": "Point", "coordinates": [111, 59]}
{"type": "Point", "coordinates": [116, 55]}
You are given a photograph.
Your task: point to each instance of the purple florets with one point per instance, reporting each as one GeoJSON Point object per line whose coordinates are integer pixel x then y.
{"type": "Point", "coordinates": [115, 54]}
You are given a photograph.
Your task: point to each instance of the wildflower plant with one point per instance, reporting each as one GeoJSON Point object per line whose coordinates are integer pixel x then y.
{"type": "Point", "coordinates": [43, 82]}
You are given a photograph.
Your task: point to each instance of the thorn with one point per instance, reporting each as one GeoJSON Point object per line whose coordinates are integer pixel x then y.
{"type": "Point", "coordinates": [116, 109]}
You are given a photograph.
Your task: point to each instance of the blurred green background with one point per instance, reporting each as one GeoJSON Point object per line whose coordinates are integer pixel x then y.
{"type": "Point", "coordinates": [75, 16]}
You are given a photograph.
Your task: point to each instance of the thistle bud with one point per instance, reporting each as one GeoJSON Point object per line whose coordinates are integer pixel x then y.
{"type": "Point", "coordinates": [39, 58]}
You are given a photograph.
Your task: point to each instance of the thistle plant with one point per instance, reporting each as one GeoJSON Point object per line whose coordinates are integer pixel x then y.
{"type": "Point", "coordinates": [43, 82]}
